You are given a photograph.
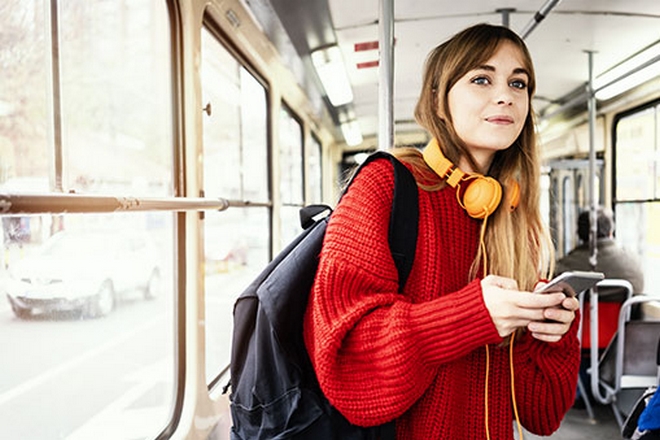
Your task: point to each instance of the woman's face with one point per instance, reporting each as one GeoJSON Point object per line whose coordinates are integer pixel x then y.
{"type": "Point", "coordinates": [489, 104]}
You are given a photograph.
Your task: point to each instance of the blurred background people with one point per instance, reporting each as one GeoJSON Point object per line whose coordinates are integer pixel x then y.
{"type": "Point", "coordinates": [613, 260]}
{"type": "Point", "coordinates": [616, 263]}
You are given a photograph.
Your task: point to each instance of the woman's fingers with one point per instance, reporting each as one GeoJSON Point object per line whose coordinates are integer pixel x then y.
{"type": "Point", "coordinates": [548, 316]}
{"type": "Point", "coordinates": [540, 300]}
{"type": "Point", "coordinates": [557, 321]}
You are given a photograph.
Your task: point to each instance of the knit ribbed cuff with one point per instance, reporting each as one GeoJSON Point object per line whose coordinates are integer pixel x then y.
{"type": "Point", "coordinates": [453, 325]}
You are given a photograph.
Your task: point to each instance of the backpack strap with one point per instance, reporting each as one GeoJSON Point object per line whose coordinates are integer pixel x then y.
{"type": "Point", "coordinates": [310, 213]}
{"type": "Point", "coordinates": [404, 218]}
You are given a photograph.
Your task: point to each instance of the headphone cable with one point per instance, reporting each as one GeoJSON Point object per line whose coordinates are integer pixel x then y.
{"type": "Point", "coordinates": [482, 244]}
{"type": "Point", "coordinates": [513, 389]}
{"type": "Point", "coordinates": [513, 386]}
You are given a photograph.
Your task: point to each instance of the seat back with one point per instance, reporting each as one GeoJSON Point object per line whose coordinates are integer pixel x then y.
{"type": "Point", "coordinates": [599, 323]}
{"type": "Point", "coordinates": [638, 364]}
{"type": "Point", "coordinates": [630, 361]}
{"type": "Point", "coordinates": [638, 341]}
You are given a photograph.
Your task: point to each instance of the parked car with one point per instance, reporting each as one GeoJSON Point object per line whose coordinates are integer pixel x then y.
{"type": "Point", "coordinates": [224, 250]}
{"type": "Point", "coordinates": [86, 271]}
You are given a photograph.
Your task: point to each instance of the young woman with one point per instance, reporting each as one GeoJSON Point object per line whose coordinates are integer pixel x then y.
{"type": "Point", "coordinates": [467, 348]}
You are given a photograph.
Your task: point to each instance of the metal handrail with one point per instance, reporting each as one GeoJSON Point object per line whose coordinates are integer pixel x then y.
{"type": "Point", "coordinates": [56, 203]}
{"type": "Point", "coordinates": [593, 328]}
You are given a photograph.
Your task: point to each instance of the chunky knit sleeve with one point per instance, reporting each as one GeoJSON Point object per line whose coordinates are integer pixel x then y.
{"type": "Point", "coordinates": [376, 351]}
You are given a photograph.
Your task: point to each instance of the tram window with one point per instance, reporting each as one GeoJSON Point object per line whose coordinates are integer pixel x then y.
{"type": "Point", "coordinates": [546, 184]}
{"type": "Point", "coordinates": [116, 95]}
{"type": "Point", "coordinates": [25, 110]}
{"type": "Point", "coordinates": [636, 171]}
{"type": "Point", "coordinates": [291, 174]}
{"type": "Point", "coordinates": [87, 316]}
{"type": "Point", "coordinates": [314, 171]}
{"type": "Point", "coordinates": [637, 207]}
{"type": "Point", "coordinates": [100, 106]}
{"type": "Point", "coordinates": [235, 250]}
{"type": "Point", "coordinates": [235, 142]}
{"type": "Point", "coordinates": [568, 206]}
{"type": "Point", "coordinates": [86, 325]}
{"type": "Point", "coordinates": [637, 231]}
{"type": "Point", "coordinates": [235, 131]}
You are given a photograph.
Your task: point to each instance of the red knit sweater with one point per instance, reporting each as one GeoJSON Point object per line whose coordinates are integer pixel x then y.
{"type": "Point", "coordinates": [420, 357]}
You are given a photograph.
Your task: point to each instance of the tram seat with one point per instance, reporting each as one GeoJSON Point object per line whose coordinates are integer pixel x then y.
{"type": "Point", "coordinates": [629, 364]}
{"type": "Point", "coordinates": [611, 294]}
{"type": "Point", "coordinates": [601, 321]}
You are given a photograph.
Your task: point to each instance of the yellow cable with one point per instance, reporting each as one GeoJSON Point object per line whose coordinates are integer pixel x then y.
{"type": "Point", "coordinates": [513, 387]}
{"type": "Point", "coordinates": [482, 244]}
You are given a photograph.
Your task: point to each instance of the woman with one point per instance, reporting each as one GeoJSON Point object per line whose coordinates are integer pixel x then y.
{"type": "Point", "coordinates": [439, 358]}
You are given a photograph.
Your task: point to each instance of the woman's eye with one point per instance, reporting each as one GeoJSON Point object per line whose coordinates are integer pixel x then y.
{"type": "Point", "coordinates": [480, 80]}
{"type": "Point", "coordinates": [518, 84]}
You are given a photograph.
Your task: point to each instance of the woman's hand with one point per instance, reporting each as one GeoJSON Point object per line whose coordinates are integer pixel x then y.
{"type": "Point", "coordinates": [557, 321]}
{"type": "Point", "coordinates": [511, 308]}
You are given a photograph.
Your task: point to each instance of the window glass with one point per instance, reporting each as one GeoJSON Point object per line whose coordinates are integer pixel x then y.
{"type": "Point", "coordinates": [291, 174]}
{"type": "Point", "coordinates": [86, 310]}
{"type": "Point", "coordinates": [637, 208]}
{"type": "Point", "coordinates": [568, 210]}
{"type": "Point", "coordinates": [235, 166]}
{"type": "Point", "coordinates": [95, 117]}
{"type": "Point", "coordinates": [291, 159]}
{"type": "Point", "coordinates": [290, 224]}
{"type": "Point", "coordinates": [545, 196]}
{"type": "Point", "coordinates": [656, 156]}
{"type": "Point", "coordinates": [83, 298]}
{"type": "Point", "coordinates": [635, 158]}
{"type": "Point", "coordinates": [314, 174]}
{"type": "Point", "coordinates": [116, 100]}
{"type": "Point", "coordinates": [25, 108]}
{"type": "Point", "coordinates": [236, 249]}
{"type": "Point", "coordinates": [637, 231]}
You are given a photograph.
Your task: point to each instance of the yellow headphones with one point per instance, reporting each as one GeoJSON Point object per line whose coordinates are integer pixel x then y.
{"type": "Point", "coordinates": [480, 195]}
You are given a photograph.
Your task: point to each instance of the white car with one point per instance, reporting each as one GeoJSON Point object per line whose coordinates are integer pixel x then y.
{"type": "Point", "coordinates": [85, 271]}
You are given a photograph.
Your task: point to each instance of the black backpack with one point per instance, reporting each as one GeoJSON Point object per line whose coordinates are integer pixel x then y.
{"type": "Point", "coordinates": [275, 393]}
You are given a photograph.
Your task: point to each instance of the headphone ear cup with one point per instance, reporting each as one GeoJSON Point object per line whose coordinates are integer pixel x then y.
{"type": "Point", "coordinates": [513, 197]}
{"type": "Point", "coordinates": [481, 197]}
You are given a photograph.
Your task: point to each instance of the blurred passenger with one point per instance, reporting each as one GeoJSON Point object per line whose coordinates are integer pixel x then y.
{"type": "Point", "coordinates": [612, 259]}
{"type": "Point", "coordinates": [615, 262]}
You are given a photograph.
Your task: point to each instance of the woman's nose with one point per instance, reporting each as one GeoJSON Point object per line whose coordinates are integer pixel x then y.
{"type": "Point", "coordinates": [504, 95]}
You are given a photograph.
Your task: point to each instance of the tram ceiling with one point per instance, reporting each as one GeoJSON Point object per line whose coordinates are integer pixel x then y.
{"type": "Point", "coordinates": [613, 29]}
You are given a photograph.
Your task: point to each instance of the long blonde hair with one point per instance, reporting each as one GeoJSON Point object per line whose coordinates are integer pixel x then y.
{"type": "Point", "coordinates": [517, 243]}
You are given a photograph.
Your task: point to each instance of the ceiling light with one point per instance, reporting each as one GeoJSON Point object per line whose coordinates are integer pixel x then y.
{"type": "Point", "coordinates": [352, 133]}
{"type": "Point", "coordinates": [632, 72]}
{"type": "Point", "coordinates": [330, 68]}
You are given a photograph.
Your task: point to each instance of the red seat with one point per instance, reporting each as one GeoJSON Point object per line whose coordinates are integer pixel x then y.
{"type": "Point", "coordinates": [608, 320]}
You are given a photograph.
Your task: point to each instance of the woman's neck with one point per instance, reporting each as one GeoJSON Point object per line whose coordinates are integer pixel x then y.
{"type": "Point", "coordinates": [483, 162]}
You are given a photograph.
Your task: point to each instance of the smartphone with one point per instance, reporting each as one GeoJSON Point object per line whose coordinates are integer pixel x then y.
{"type": "Point", "coordinates": [572, 283]}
